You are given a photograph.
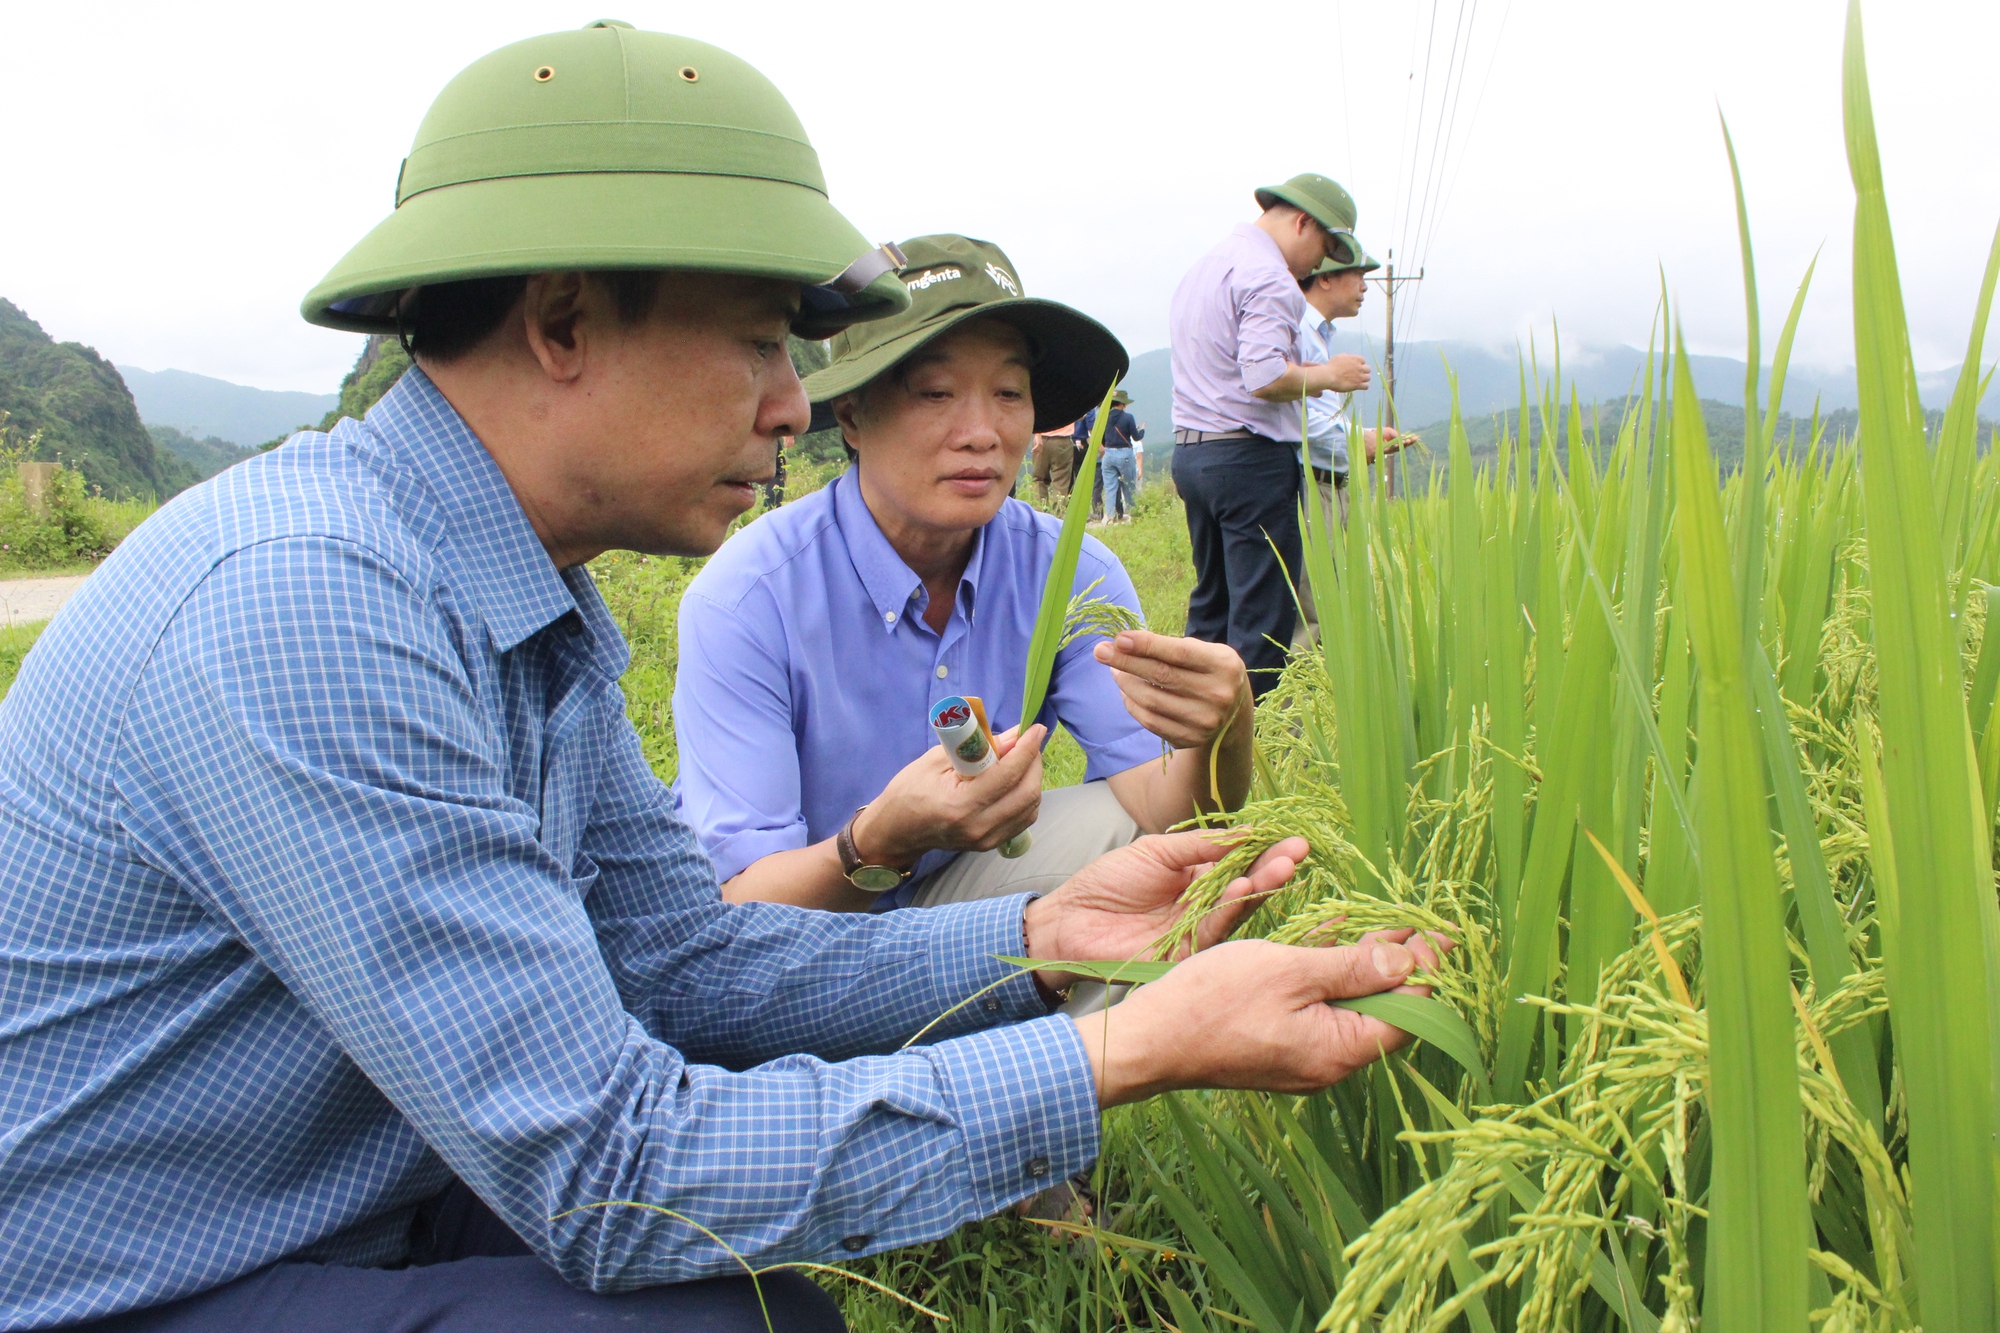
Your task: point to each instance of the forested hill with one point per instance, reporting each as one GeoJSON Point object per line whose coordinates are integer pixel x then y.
{"type": "Point", "coordinates": [1601, 423]}
{"type": "Point", "coordinates": [85, 414]}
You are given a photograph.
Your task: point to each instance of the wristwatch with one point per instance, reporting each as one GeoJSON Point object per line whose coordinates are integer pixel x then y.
{"type": "Point", "coordinates": [867, 878]}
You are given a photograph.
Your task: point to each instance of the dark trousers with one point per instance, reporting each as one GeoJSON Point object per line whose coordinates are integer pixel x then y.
{"type": "Point", "coordinates": [1242, 499]}
{"type": "Point", "coordinates": [1096, 480]}
{"type": "Point", "coordinates": [469, 1274]}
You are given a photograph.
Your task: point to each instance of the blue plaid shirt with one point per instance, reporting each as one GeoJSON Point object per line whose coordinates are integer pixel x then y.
{"type": "Point", "coordinates": [334, 869]}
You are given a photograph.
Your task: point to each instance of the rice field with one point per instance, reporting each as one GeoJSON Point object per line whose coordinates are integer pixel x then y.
{"type": "Point", "coordinates": [1701, 773]}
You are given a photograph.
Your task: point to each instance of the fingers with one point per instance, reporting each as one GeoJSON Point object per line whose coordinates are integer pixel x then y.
{"type": "Point", "coordinates": [1195, 849]}
{"type": "Point", "coordinates": [1245, 893]}
{"type": "Point", "coordinates": [1185, 723]}
{"type": "Point", "coordinates": [1357, 969]}
{"type": "Point", "coordinates": [1007, 797]}
{"type": "Point", "coordinates": [1016, 750]}
{"type": "Point", "coordinates": [1182, 689]}
{"type": "Point", "coordinates": [1426, 948]}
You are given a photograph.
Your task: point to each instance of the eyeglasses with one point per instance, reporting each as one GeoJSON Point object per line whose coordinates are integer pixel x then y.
{"type": "Point", "coordinates": [1340, 245]}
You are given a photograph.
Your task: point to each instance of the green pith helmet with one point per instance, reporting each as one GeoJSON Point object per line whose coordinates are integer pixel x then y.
{"type": "Point", "coordinates": [952, 279]}
{"type": "Point", "coordinates": [1325, 201]}
{"type": "Point", "coordinates": [1349, 255]}
{"type": "Point", "coordinates": [610, 148]}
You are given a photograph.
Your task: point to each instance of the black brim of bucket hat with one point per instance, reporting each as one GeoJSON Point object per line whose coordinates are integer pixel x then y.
{"type": "Point", "coordinates": [1076, 359]}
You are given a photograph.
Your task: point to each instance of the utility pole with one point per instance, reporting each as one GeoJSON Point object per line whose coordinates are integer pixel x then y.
{"type": "Point", "coordinates": [1389, 281]}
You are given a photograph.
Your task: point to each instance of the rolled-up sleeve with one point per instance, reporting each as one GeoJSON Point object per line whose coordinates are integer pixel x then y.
{"type": "Point", "coordinates": [1267, 323]}
{"type": "Point", "coordinates": [308, 756]}
{"type": "Point", "coordinates": [739, 780]}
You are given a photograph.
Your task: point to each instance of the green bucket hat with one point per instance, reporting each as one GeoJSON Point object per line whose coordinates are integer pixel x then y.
{"type": "Point", "coordinates": [1322, 199]}
{"type": "Point", "coordinates": [952, 279]}
{"type": "Point", "coordinates": [1119, 398]}
{"type": "Point", "coordinates": [1349, 255]}
{"type": "Point", "coordinates": [610, 148]}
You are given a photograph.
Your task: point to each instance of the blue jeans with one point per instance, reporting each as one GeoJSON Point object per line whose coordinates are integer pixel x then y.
{"type": "Point", "coordinates": [468, 1273]}
{"type": "Point", "coordinates": [1121, 480]}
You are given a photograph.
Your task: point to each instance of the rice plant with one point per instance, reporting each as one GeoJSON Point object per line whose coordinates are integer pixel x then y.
{"type": "Point", "coordinates": [1701, 772]}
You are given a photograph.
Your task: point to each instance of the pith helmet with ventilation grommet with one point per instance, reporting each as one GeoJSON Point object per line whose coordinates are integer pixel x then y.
{"type": "Point", "coordinates": [611, 148]}
{"type": "Point", "coordinates": [1326, 201]}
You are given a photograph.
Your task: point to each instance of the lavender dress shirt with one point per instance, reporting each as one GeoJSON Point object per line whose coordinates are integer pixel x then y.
{"type": "Point", "coordinates": [1233, 327]}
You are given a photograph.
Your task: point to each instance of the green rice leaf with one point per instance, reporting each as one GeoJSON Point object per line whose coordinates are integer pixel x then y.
{"type": "Point", "coordinates": [1759, 1227]}
{"type": "Point", "coordinates": [1047, 638]}
{"type": "Point", "coordinates": [1940, 953]}
{"type": "Point", "coordinates": [1430, 1020]}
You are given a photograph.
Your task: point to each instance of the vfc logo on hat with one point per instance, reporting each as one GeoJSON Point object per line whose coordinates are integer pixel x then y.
{"type": "Point", "coordinates": [1003, 277]}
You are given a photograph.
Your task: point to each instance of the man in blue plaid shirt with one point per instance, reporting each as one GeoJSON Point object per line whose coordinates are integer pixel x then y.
{"type": "Point", "coordinates": [356, 972]}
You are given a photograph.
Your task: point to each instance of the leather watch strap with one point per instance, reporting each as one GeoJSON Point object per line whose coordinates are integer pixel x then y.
{"type": "Point", "coordinates": [862, 875]}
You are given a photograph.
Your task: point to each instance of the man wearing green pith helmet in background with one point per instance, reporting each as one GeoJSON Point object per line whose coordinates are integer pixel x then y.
{"type": "Point", "coordinates": [361, 976]}
{"type": "Point", "coordinates": [1239, 373]}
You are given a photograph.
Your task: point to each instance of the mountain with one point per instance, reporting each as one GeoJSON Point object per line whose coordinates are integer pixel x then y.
{"type": "Point", "coordinates": [381, 363]}
{"type": "Point", "coordinates": [200, 405]}
{"type": "Point", "coordinates": [83, 410]}
{"type": "Point", "coordinates": [1489, 382]}
{"type": "Point", "coordinates": [1150, 381]}
{"type": "Point", "coordinates": [206, 456]}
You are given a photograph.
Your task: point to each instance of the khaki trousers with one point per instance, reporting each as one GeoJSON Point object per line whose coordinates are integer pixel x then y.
{"type": "Point", "coordinates": [1076, 826]}
{"type": "Point", "coordinates": [1332, 508]}
{"type": "Point", "coordinates": [1050, 465]}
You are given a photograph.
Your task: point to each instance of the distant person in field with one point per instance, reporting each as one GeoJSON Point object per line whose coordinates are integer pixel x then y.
{"type": "Point", "coordinates": [814, 643]}
{"type": "Point", "coordinates": [357, 973]}
{"type": "Point", "coordinates": [1239, 372]}
{"type": "Point", "coordinates": [1117, 460]}
{"type": "Point", "coordinates": [1052, 461]}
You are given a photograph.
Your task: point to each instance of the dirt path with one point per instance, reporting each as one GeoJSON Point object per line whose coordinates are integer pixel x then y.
{"type": "Point", "coordinates": [26, 600]}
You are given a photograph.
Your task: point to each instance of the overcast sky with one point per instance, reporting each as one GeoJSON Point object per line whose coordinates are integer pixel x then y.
{"type": "Point", "coordinates": [179, 175]}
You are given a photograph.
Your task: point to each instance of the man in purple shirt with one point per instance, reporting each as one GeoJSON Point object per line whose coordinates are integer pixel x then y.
{"type": "Point", "coordinates": [1238, 378]}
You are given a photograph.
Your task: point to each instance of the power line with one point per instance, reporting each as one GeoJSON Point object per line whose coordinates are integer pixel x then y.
{"type": "Point", "coordinates": [1442, 136]}
{"type": "Point", "coordinates": [1417, 145]}
{"type": "Point", "coordinates": [1454, 82]}
{"type": "Point", "coordinates": [1458, 171]}
{"type": "Point", "coordinates": [1346, 112]}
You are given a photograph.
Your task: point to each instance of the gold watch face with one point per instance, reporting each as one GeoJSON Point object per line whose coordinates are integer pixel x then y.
{"type": "Point", "coordinates": [875, 879]}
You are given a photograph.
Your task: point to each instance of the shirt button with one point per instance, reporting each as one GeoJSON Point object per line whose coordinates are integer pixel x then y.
{"type": "Point", "coordinates": [943, 672]}
{"type": "Point", "coordinates": [1038, 1167]}
{"type": "Point", "coordinates": [888, 617]}
{"type": "Point", "coordinates": [855, 1244]}
{"type": "Point", "coordinates": [991, 1004]}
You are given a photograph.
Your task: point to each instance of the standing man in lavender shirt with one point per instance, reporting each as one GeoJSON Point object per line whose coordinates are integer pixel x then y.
{"type": "Point", "coordinates": [1238, 377]}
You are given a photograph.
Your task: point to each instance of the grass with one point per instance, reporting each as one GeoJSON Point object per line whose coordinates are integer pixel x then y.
{"type": "Point", "coordinates": [15, 640]}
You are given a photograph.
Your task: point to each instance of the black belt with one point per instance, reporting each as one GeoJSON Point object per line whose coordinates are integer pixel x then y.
{"type": "Point", "coordinates": [1215, 436]}
{"type": "Point", "coordinates": [1328, 477]}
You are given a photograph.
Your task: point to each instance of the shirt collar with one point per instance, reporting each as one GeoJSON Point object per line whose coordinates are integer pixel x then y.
{"type": "Point", "coordinates": [516, 586]}
{"type": "Point", "coordinates": [890, 583]}
{"type": "Point", "coordinates": [1256, 237]}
